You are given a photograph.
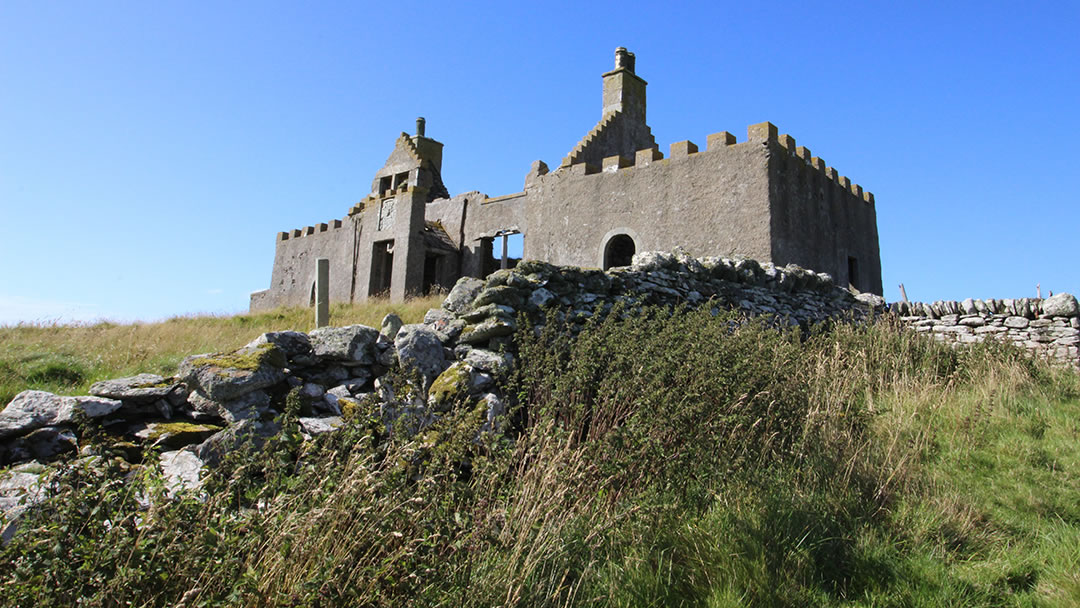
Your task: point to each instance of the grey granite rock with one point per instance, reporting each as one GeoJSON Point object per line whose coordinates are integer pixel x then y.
{"type": "Point", "coordinates": [420, 351]}
{"type": "Point", "coordinates": [31, 410]}
{"type": "Point", "coordinates": [350, 345]}
{"type": "Point", "coordinates": [1060, 305]}
{"type": "Point", "coordinates": [224, 377]}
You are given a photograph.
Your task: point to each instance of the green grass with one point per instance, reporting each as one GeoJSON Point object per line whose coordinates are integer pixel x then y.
{"type": "Point", "coordinates": [67, 359]}
{"type": "Point", "coordinates": [669, 460]}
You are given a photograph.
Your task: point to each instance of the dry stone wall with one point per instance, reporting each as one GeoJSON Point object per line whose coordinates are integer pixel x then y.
{"type": "Point", "coordinates": [1047, 328]}
{"type": "Point", "coordinates": [457, 358]}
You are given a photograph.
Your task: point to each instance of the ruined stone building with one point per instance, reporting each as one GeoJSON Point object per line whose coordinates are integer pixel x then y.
{"type": "Point", "coordinates": [613, 195]}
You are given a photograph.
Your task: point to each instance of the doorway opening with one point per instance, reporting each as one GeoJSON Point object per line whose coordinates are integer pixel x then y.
{"type": "Point", "coordinates": [619, 251]}
{"type": "Point", "coordinates": [382, 268]}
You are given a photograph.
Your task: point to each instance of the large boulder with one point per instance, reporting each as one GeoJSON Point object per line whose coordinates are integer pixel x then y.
{"type": "Point", "coordinates": [1060, 305]}
{"type": "Point", "coordinates": [31, 410]}
{"type": "Point", "coordinates": [492, 327]}
{"type": "Point", "coordinates": [142, 388]}
{"type": "Point", "coordinates": [485, 360]}
{"type": "Point", "coordinates": [451, 387]}
{"type": "Point", "coordinates": [224, 377]}
{"type": "Point", "coordinates": [350, 345]}
{"type": "Point", "coordinates": [248, 405]}
{"type": "Point", "coordinates": [460, 298]}
{"type": "Point", "coordinates": [296, 346]}
{"type": "Point", "coordinates": [419, 350]}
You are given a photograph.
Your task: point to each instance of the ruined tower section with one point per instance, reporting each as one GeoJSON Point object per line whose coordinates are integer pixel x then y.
{"type": "Point", "coordinates": [391, 251]}
{"type": "Point", "coordinates": [622, 130]}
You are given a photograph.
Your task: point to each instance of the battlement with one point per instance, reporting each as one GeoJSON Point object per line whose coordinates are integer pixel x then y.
{"type": "Point", "coordinates": [310, 230]}
{"type": "Point", "coordinates": [764, 133]}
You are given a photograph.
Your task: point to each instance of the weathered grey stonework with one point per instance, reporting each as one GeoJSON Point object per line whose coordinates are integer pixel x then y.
{"type": "Point", "coordinates": [1048, 329]}
{"type": "Point", "coordinates": [613, 195]}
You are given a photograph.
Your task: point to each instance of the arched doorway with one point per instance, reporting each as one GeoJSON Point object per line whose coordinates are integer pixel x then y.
{"type": "Point", "coordinates": [619, 251]}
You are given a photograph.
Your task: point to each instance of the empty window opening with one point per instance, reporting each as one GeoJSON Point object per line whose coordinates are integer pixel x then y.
{"type": "Point", "coordinates": [384, 184]}
{"type": "Point", "coordinates": [311, 304]}
{"type": "Point", "coordinates": [401, 178]}
{"type": "Point", "coordinates": [382, 268]}
{"type": "Point", "coordinates": [853, 273]}
{"type": "Point", "coordinates": [619, 251]}
{"type": "Point", "coordinates": [504, 250]}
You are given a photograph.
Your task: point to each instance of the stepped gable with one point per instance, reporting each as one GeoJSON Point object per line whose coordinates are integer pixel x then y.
{"type": "Point", "coordinates": [622, 129]}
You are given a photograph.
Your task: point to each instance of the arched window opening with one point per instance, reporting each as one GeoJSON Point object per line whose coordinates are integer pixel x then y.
{"type": "Point", "coordinates": [619, 251]}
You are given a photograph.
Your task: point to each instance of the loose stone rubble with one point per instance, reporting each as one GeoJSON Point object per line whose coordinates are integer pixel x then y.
{"type": "Point", "coordinates": [457, 358]}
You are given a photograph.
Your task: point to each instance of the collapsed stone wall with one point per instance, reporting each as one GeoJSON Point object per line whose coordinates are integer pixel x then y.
{"type": "Point", "coordinates": [457, 358]}
{"type": "Point", "coordinates": [1047, 328]}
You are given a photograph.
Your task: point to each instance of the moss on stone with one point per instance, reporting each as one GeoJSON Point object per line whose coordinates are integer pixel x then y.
{"type": "Point", "coordinates": [451, 385]}
{"type": "Point", "coordinates": [166, 429]}
{"type": "Point", "coordinates": [246, 359]}
{"type": "Point", "coordinates": [349, 407]}
{"type": "Point", "coordinates": [166, 383]}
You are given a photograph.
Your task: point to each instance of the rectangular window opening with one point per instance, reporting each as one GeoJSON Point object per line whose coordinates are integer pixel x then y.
{"type": "Point", "coordinates": [504, 250]}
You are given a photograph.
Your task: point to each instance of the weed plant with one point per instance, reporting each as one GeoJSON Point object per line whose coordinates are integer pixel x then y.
{"type": "Point", "coordinates": [664, 460]}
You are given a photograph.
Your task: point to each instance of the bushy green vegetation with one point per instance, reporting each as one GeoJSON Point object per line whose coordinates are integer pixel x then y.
{"type": "Point", "coordinates": [67, 359]}
{"type": "Point", "coordinates": [668, 460]}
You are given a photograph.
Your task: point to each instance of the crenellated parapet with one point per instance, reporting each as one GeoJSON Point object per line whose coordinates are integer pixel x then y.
{"type": "Point", "coordinates": [764, 133]}
{"type": "Point", "coordinates": [310, 230]}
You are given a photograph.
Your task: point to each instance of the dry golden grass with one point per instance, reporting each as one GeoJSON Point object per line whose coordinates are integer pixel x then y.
{"type": "Point", "coordinates": [68, 358]}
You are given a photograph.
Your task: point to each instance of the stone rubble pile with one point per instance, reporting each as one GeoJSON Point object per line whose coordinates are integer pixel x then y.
{"type": "Point", "coordinates": [456, 358]}
{"type": "Point", "coordinates": [1048, 329]}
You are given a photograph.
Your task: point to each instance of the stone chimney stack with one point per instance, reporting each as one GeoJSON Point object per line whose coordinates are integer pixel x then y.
{"type": "Point", "coordinates": [623, 90]}
{"type": "Point", "coordinates": [420, 122]}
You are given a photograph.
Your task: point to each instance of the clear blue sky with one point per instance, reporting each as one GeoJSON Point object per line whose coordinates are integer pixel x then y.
{"type": "Point", "coordinates": [150, 151]}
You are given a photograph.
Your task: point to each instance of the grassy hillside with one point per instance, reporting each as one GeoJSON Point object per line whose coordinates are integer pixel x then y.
{"type": "Point", "coordinates": [67, 359]}
{"type": "Point", "coordinates": [679, 460]}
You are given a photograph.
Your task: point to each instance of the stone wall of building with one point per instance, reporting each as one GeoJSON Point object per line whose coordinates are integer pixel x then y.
{"type": "Point", "coordinates": [1048, 328]}
{"type": "Point", "coordinates": [292, 281]}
